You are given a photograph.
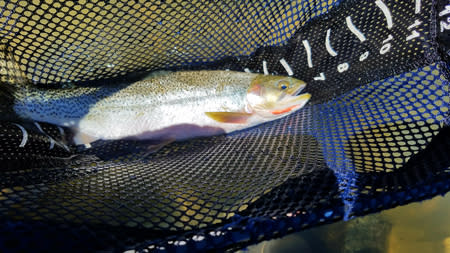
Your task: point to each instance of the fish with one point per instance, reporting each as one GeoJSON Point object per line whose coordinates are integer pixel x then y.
{"type": "Point", "coordinates": [164, 106]}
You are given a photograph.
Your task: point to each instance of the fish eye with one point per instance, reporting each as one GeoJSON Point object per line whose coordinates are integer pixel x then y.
{"type": "Point", "coordinates": [283, 84]}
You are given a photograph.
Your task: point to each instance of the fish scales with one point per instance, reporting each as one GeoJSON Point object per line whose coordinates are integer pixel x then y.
{"type": "Point", "coordinates": [165, 105]}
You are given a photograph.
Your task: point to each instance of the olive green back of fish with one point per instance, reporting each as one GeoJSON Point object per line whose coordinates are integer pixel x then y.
{"type": "Point", "coordinates": [159, 87]}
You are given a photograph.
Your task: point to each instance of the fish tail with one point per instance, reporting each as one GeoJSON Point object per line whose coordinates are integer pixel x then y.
{"type": "Point", "coordinates": [10, 72]}
{"type": "Point", "coordinates": [13, 81]}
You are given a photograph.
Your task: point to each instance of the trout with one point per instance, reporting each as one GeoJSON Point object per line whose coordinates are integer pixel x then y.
{"type": "Point", "coordinates": [165, 106]}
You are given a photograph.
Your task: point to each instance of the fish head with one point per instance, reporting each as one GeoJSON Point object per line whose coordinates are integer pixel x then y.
{"type": "Point", "coordinates": [269, 97]}
{"type": "Point", "coordinates": [275, 96]}
{"type": "Point", "coordinates": [275, 85]}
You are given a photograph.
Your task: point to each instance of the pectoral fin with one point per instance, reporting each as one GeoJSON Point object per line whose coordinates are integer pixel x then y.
{"type": "Point", "coordinates": [229, 117]}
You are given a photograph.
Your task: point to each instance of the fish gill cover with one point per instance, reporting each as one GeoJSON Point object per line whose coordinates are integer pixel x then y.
{"type": "Point", "coordinates": [374, 135]}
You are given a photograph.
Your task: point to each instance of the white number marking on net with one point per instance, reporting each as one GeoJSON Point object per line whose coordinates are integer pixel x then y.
{"type": "Point", "coordinates": [445, 11]}
{"type": "Point", "coordinates": [414, 34]}
{"type": "Point", "coordinates": [364, 56]}
{"type": "Point", "coordinates": [321, 77]}
{"type": "Point", "coordinates": [308, 53]}
{"type": "Point", "coordinates": [444, 25]}
{"type": "Point", "coordinates": [24, 135]}
{"type": "Point", "coordinates": [266, 72]}
{"type": "Point", "coordinates": [355, 30]}
{"type": "Point", "coordinates": [417, 7]}
{"type": "Point", "coordinates": [343, 67]}
{"type": "Point", "coordinates": [416, 23]}
{"type": "Point", "coordinates": [388, 39]}
{"type": "Point", "coordinates": [386, 12]}
{"type": "Point", "coordinates": [287, 67]}
{"type": "Point", "coordinates": [386, 46]}
{"type": "Point", "coordinates": [328, 44]}
{"type": "Point", "coordinates": [52, 142]}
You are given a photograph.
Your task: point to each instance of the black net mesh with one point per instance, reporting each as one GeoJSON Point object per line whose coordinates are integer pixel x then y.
{"type": "Point", "coordinates": [374, 135]}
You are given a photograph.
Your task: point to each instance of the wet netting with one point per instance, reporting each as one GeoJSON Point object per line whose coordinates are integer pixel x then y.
{"type": "Point", "coordinates": [375, 134]}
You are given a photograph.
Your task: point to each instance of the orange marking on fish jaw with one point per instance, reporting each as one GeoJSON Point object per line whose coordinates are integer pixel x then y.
{"type": "Point", "coordinates": [298, 102]}
{"type": "Point", "coordinates": [285, 110]}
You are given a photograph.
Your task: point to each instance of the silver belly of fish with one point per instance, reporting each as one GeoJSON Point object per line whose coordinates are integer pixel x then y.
{"type": "Point", "coordinates": [171, 118]}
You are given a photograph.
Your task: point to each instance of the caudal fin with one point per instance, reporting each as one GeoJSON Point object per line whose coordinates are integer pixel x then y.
{"type": "Point", "coordinates": [12, 78]}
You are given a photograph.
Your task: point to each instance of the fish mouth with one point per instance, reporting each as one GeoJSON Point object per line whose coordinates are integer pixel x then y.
{"type": "Point", "coordinates": [296, 91]}
{"type": "Point", "coordinates": [284, 106]}
{"type": "Point", "coordinates": [272, 100]}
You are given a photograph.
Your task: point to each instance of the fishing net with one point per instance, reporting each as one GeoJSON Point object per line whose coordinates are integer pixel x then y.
{"type": "Point", "coordinates": [374, 135]}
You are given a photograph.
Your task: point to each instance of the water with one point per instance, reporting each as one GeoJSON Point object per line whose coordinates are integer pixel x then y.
{"type": "Point", "coordinates": [418, 227]}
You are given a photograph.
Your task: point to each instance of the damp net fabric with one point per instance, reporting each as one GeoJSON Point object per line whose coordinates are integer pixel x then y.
{"type": "Point", "coordinates": [373, 136]}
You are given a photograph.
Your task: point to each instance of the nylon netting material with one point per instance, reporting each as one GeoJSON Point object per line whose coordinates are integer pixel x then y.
{"type": "Point", "coordinates": [70, 41]}
{"type": "Point", "coordinates": [372, 137]}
